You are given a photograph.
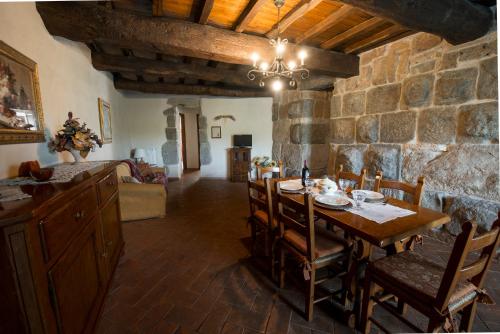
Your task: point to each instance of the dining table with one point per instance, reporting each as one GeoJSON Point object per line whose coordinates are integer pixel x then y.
{"type": "Point", "coordinates": [367, 234]}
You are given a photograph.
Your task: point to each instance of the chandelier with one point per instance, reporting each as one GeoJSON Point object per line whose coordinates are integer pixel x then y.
{"type": "Point", "coordinates": [278, 71]}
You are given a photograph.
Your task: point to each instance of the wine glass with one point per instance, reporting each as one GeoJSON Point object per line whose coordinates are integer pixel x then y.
{"type": "Point", "coordinates": [344, 185]}
{"type": "Point", "coordinates": [359, 197]}
{"type": "Point", "coordinates": [309, 185]}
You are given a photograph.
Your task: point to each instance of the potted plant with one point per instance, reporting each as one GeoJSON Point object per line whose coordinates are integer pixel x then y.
{"type": "Point", "coordinates": [75, 138]}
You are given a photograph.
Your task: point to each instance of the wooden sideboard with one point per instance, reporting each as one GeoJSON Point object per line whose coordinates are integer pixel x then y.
{"type": "Point", "coordinates": [240, 159]}
{"type": "Point", "coordinates": [58, 252]}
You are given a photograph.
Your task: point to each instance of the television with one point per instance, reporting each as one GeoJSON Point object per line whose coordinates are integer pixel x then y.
{"type": "Point", "coordinates": [242, 140]}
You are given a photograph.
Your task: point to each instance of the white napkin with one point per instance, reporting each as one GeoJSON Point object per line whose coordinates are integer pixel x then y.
{"type": "Point", "coordinates": [380, 213]}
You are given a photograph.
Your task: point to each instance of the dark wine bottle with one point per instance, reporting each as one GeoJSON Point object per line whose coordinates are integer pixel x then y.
{"type": "Point", "coordinates": [305, 173]}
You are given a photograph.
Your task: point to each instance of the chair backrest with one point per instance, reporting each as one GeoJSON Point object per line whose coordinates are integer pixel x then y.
{"type": "Point", "coordinates": [414, 190]}
{"type": "Point", "coordinates": [459, 269]}
{"type": "Point", "coordinates": [260, 198]}
{"type": "Point", "coordinates": [122, 169]}
{"type": "Point", "coordinates": [264, 170]}
{"type": "Point", "coordinates": [289, 210]}
{"type": "Point", "coordinates": [348, 175]}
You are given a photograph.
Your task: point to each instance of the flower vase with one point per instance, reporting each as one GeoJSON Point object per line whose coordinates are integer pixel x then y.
{"type": "Point", "coordinates": [76, 155]}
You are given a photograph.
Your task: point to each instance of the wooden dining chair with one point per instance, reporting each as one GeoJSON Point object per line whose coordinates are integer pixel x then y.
{"type": "Point", "coordinates": [312, 246]}
{"type": "Point", "coordinates": [435, 291]}
{"type": "Point", "coordinates": [261, 220]}
{"type": "Point", "coordinates": [349, 175]}
{"type": "Point", "coordinates": [265, 170]}
{"type": "Point", "coordinates": [415, 191]}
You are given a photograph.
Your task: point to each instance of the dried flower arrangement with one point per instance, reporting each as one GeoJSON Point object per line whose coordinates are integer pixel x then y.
{"type": "Point", "coordinates": [264, 162]}
{"type": "Point", "coordinates": [74, 136]}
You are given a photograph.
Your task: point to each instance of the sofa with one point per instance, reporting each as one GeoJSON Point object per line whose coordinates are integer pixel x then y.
{"type": "Point", "coordinates": [140, 200]}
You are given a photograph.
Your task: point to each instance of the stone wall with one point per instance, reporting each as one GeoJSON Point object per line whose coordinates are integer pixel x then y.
{"type": "Point", "coordinates": [420, 106]}
{"type": "Point", "coordinates": [300, 130]}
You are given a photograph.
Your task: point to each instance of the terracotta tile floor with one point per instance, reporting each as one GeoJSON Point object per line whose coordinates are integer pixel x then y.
{"type": "Point", "coordinates": [190, 273]}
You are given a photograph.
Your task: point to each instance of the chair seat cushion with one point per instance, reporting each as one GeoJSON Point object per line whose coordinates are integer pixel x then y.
{"type": "Point", "coordinates": [327, 243]}
{"type": "Point", "coordinates": [261, 217]}
{"type": "Point", "coordinates": [412, 271]}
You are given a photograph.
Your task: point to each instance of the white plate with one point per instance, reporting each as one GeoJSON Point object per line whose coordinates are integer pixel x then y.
{"type": "Point", "coordinates": [373, 195]}
{"type": "Point", "coordinates": [332, 201]}
{"type": "Point", "coordinates": [291, 186]}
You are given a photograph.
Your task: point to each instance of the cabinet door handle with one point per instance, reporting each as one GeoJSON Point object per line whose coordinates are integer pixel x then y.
{"type": "Point", "coordinates": [79, 214]}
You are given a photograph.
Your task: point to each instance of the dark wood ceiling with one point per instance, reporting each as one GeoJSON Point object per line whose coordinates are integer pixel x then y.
{"type": "Point", "coordinates": [333, 32]}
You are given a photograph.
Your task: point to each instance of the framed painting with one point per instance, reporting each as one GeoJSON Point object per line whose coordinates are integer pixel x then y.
{"type": "Point", "coordinates": [216, 132]}
{"type": "Point", "coordinates": [105, 121]}
{"type": "Point", "coordinates": [21, 116]}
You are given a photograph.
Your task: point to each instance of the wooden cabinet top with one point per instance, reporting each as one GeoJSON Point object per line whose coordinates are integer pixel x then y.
{"type": "Point", "coordinates": [43, 195]}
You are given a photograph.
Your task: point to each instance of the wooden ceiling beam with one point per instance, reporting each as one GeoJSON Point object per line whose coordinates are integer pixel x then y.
{"type": "Point", "coordinates": [457, 21]}
{"type": "Point", "coordinates": [205, 11]}
{"type": "Point", "coordinates": [87, 23]}
{"type": "Point", "coordinates": [394, 30]}
{"type": "Point", "coordinates": [296, 13]}
{"type": "Point", "coordinates": [111, 63]}
{"type": "Point", "coordinates": [167, 88]}
{"type": "Point", "coordinates": [248, 14]}
{"type": "Point", "coordinates": [342, 37]}
{"type": "Point", "coordinates": [327, 23]}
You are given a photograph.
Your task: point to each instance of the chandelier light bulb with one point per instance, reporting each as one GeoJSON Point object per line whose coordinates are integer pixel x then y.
{"type": "Point", "coordinates": [302, 56]}
{"type": "Point", "coordinates": [255, 58]}
{"type": "Point", "coordinates": [292, 64]}
{"type": "Point", "coordinates": [264, 66]}
{"type": "Point", "coordinates": [280, 49]}
{"type": "Point", "coordinates": [277, 85]}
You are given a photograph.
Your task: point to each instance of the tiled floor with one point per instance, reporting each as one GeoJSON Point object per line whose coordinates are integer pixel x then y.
{"type": "Point", "coordinates": [190, 273]}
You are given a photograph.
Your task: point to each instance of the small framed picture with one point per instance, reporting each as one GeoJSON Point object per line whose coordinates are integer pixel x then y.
{"type": "Point", "coordinates": [216, 132]}
{"type": "Point", "coordinates": [105, 120]}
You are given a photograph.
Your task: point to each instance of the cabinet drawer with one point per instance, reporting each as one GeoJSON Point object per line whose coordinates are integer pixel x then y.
{"type": "Point", "coordinates": [57, 230]}
{"type": "Point", "coordinates": [106, 187]}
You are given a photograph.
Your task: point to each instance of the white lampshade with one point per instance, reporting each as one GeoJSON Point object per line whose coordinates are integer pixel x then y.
{"type": "Point", "coordinates": [140, 153]}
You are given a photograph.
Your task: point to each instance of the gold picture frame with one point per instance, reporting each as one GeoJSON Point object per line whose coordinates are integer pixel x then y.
{"type": "Point", "coordinates": [21, 115]}
{"type": "Point", "coordinates": [105, 121]}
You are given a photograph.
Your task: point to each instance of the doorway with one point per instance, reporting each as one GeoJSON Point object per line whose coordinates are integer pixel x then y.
{"type": "Point", "coordinates": [190, 143]}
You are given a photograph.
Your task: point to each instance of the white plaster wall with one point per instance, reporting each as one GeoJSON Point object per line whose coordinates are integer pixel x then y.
{"type": "Point", "coordinates": [192, 156]}
{"type": "Point", "coordinates": [68, 82]}
{"type": "Point", "coordinates": [253, 116]}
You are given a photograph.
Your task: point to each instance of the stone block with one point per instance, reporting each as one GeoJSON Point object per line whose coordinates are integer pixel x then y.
{"type": "Point", "coordinates": [417, 91]}
{"type": "Point", "coordinates": [339, 86]}
{"type": "Point", "coordinates": [383, 99]}
{"type": "Point", "coordinates": [171, 134]}
{"type": "Point", "coordinates": [291, 155]}
{"type": "Point", "coordinates": [205, 155]}
{"type": "Point", "coordinates": [437, 125]}
{"type": "Point", "coordinates": [276, 151]}
{"type": "Point", "coordinates": [367, 57]}
{"type": "Point", "coordinates": [281, 131]}
{"type": "Point", "coordinates": [424, 41]}
{"type": "Point", "coordinates": [423, 67]}
{"type": "Point", "coordinates": [170, 153]}
{"type": "Point", "coordinates": [458, 86]}
{"type": "Point", "coordinates": [202, 122]}
{"type": "Point", "coordinates": [478, 123]}
{"type": "Point", "coordinates": [367, 128]}
{"type": "Point", "coordinates": [171, 121]}
{"type": "Point", "coordinates": [433, 200]}
{"type": "Point", "coordinates": [464, 169]}
{"type": "Point", "coordinates": [398, 61]}
{"type": "Point", "coordinates": [316, 133]}
{"type": "Point", "coordinates": [203, 135]}
{"type": "Point", "coordinates": [385, 158]}
{"type": "Point", "coordinates": [312, 95]}
{"type": "Point", "coordinates": [336, 106]}
{"type": "Point", "coordinates": [321, 109]}
{"type": "Point", "coordinates": [379, 71]}
{"type": "Point", "coordinates": [449, 61]}
{"type": "Point", "coordinates": [317, 158]}
{"type": "Point", "coordinates": [398, 127]}
{"type": "Point", "coordinates": [342, 130]}
{"type": "Point", "coordinates": [276, 108]}
{"type": "Point", "coordinates": [464, 208]}
{"type": "Point", "coordinates": [415, 160]}
{"type": "Point", "coordinates": [478, 51]}
{"type": "Point", "coordinates": [350, 157]}
{"type": "Point", "coordinates": [353, 104]}
{"type": "Point", "coordinates": [487, 85]}
{"type": "Point", "coordinates": [283, 111]}
{"type": "Point", "coordinates": [301, 109]}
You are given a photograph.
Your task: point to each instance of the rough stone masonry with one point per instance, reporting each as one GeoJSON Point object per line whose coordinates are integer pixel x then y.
{"type": "Point", "coordinates": [420, 106]}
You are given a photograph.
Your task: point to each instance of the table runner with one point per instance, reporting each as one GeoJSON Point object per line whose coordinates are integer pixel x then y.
{"type": "Point", "coordinates": [380, 213]}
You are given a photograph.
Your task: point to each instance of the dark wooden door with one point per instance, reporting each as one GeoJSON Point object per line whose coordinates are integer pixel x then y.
{"type": "Point", "coordinates": [75, 283]}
